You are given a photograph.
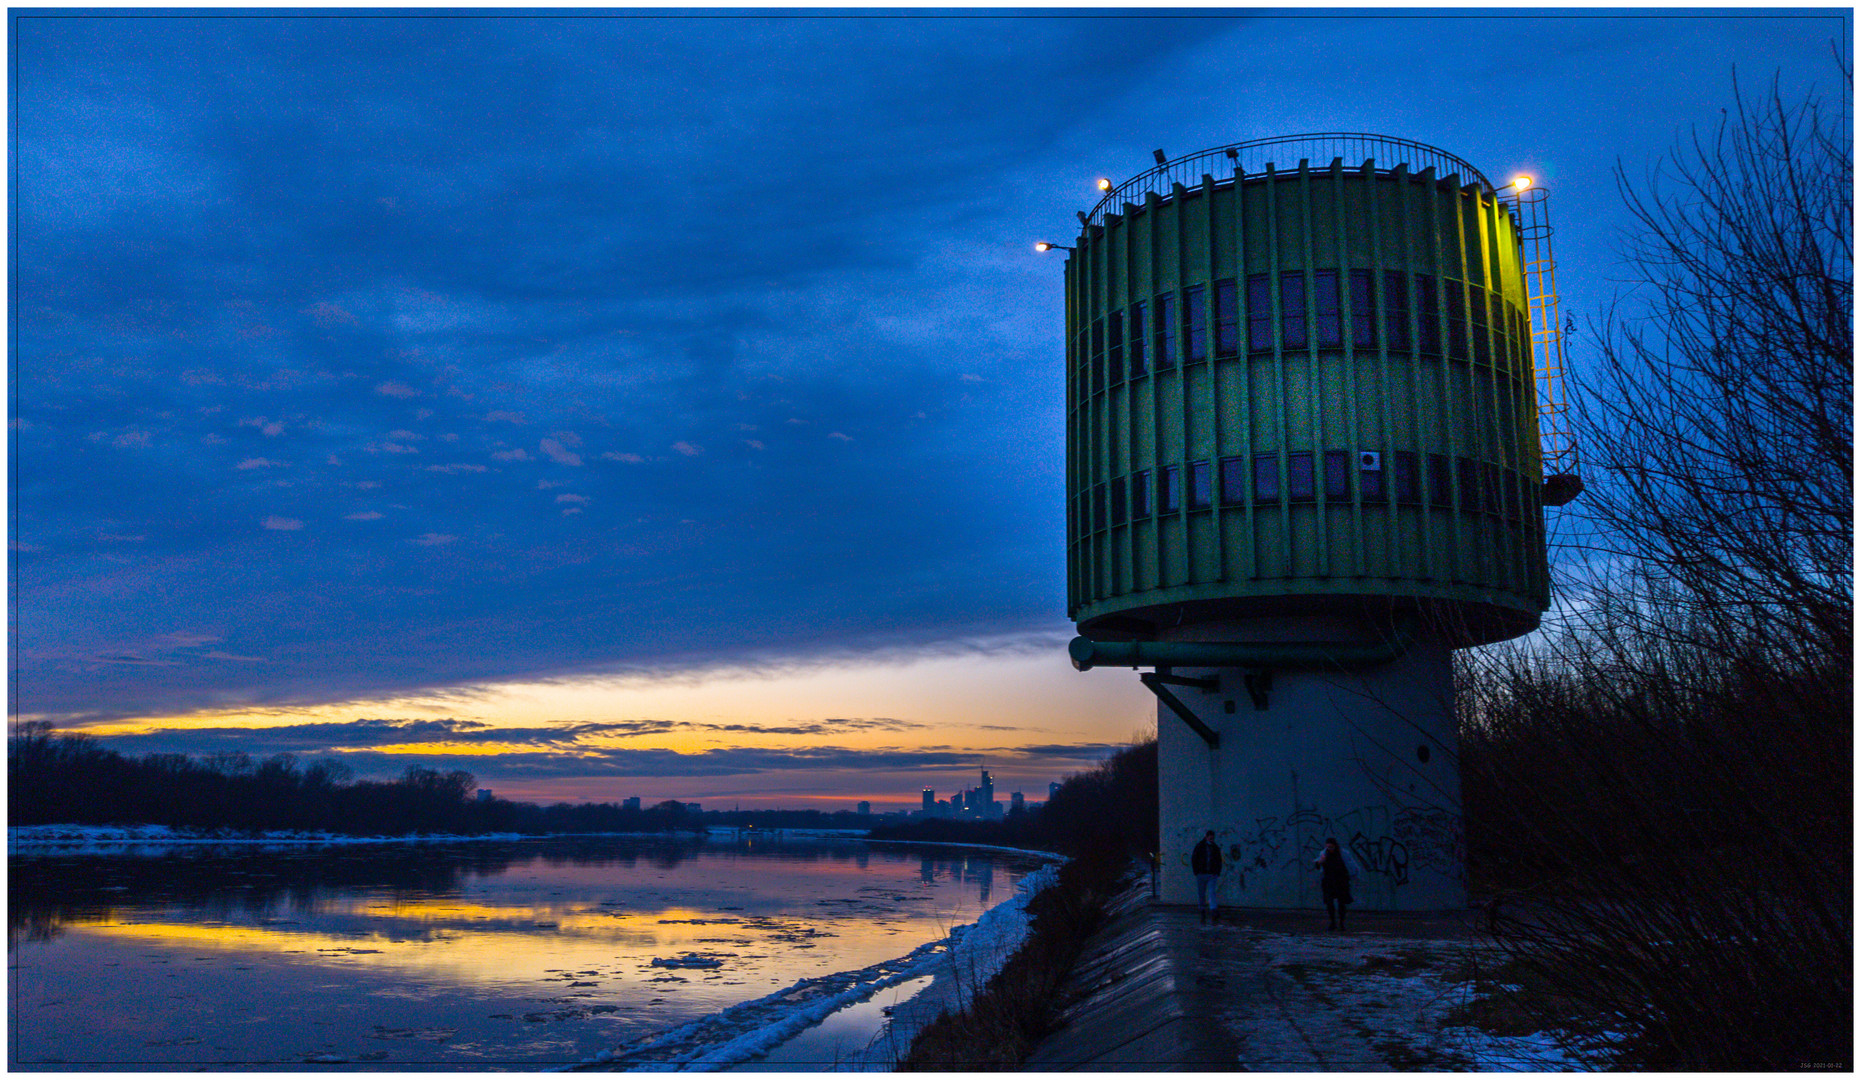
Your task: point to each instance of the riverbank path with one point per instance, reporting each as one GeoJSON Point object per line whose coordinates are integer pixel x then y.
{"type": "Point", "coordinates": [1156, 990]}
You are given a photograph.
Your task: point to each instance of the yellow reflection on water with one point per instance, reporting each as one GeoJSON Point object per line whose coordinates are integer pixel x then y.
{"type": "Point", "coordinates": [491, 945]}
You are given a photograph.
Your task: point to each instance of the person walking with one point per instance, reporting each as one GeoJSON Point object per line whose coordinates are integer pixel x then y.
{"type": "Point", "coordinates": [1334, 881]}
{"type": "Point", "coordinates": [1205, 860]}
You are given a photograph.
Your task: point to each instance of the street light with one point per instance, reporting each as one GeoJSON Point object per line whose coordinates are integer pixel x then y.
{"type": "Point", "coordinates": [1045, 246]}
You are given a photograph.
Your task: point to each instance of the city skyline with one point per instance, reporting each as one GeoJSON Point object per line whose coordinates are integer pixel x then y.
{"type": "Point", "coordinates": [658, 404]}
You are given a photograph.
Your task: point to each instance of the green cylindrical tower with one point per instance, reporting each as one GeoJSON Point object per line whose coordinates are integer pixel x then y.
{"type": "Point", "coordinates": [1303, 466]}
{"type": "Point", "coordinates": [1296, 389]}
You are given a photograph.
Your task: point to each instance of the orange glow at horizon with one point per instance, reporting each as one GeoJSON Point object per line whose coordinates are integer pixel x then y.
{"type": "Point", "coordinates": [979, 702]}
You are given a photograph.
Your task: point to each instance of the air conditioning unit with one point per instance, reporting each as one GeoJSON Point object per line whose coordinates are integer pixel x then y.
{"type": "Point", "coordinates": [1370, 461]}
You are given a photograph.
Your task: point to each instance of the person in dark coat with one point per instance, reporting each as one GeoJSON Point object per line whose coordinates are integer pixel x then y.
{"type": "Point", "coordinates": [1205, 860]}
{"type": "Point", "coordinates": [1334, 881]}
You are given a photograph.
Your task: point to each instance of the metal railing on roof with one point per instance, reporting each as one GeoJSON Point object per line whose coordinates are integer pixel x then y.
{"type": "Point", "coordinates": [1224, 163]}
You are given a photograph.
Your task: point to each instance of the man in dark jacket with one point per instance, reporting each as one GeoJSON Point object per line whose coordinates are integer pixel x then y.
{"type": "Point", "coordinates": [1205, 860]}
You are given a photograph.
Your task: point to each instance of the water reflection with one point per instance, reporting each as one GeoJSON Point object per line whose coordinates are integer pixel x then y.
{"type": "Point", "coordinates": [230, 884]}
{"type": "Point", "coordinates": [533, 950]}
{"type": "Point", "coordinates": [976, 871]}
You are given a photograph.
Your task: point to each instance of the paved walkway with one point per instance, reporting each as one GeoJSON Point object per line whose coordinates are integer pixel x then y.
{"type": "Point", "coordinates": [1157, 991]}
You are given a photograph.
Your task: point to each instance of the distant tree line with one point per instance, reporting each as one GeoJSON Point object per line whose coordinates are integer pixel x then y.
{"type": "Point", "coordinates": [59, 778]}
{"type": "Point", "coordinates": [62, 778]}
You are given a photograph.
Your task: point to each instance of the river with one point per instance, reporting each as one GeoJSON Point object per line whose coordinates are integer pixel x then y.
{"type": "Point", "coordinates": [511, 954]}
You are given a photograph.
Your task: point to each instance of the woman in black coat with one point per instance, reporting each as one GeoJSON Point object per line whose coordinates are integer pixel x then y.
{"type": "Point", "coordinates": [1334, 882]}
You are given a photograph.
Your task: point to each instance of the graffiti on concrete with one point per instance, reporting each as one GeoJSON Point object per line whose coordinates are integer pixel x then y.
{"type": "Point", "coordinates": [1383, 855]}
{"type": "Point", "coordinates": [1427, 840]}
{"type": "Point", "coordinates": [1433, 840]}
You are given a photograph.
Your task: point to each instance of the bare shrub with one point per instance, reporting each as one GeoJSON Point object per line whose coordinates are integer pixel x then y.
{"type": "Point", "coordinates": [1659, 787]}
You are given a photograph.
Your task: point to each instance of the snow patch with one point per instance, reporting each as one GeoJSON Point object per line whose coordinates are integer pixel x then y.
{"type": "Point", "coordinates": [959, 965]}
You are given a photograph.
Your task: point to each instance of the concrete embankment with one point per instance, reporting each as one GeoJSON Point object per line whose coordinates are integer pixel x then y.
{"type": "Point", "coordinates": [1157, 991]}
{"type": "Point", "coordinates": [1137, 1003]}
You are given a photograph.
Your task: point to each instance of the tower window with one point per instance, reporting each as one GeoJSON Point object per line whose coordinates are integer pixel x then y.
{"type": "Point", "coordinates": [1299, 486]}
{"type": "Point", "coordinates": [1199, 495]}
{"type": "Point", "coordinates": [1166, 331]}
{"type": "Point", "coordinates": [1363, 312]}
{"type": "Point", "coordinates": [1233, 480]}
{"type": "Point", "coordinates": [1440, 492]}
{"type": "Point", "coordinates": [1490, 500]}
{"type": "Point", "coordinates": [1330, 329]}
{"type": "Point", "coordinates": [1469, 484]}
{"type": "Point", "coordinates": [1482, 344]}
{"type": "Point", "coordinates": [1098, 507]}
{"type": "Point", "coordinates": [1140, 494]}
{"type": "Point", "coordinates": [1114, 346]}
{"type": "Point", "coordinates": [1428, 325]}
{"type": "Point", "coordinates": [1408, 479]}
{"type": "Point", "coordinates": [1098, 354]}
{"type": "Point", "coordinates": [1456, 320]}
{"type": "Point", "coordinates": [1396, 309]}
{"type": "Point", "coordinates": [1292, 309]}
{"type": "Point", "coordinates": [1227, 319]}
{"type": "Point", "coordinates": [1117, 500]}
{"type": "Point", "coordinates": [1259, 312]}
{"type": "Point", "coordinates": [1138, 352]}
{"type": "Point", "coordinates": [1500, 327]}
{"type": "Point", "coordinates": [1370, 485]}
{"type": "Point", "coordinates": [1266, 477]}
{"type": "Point", "coordinates": [1169, 489]}
{"type": "Point", "coordinates": [1337, 476]}
{"type": "Point", "coordinates": [1195, 324]}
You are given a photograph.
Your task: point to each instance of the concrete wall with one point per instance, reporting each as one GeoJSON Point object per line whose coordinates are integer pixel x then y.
{"type": "Point", "coordinates": [1369, 757]}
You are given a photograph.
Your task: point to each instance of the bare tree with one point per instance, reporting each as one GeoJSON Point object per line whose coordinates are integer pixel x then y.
{"type": "Point", "coordinates": [1663, 778]}
{"type": "Point", "coordinates": [1717, 425]}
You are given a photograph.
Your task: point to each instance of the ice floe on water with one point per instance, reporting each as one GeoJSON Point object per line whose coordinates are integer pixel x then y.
{"type": "Point", "coordinates": [957, 965]}
{"type": "Point", "coordinates": [689, 960]}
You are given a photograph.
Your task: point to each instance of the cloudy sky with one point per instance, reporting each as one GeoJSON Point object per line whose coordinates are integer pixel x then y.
{"type": "Point", "coordinates": [631, 403]}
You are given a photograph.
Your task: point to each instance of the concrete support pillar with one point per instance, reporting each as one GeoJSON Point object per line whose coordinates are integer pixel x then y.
{"type": "Point", "coordinates": [1367, 756]}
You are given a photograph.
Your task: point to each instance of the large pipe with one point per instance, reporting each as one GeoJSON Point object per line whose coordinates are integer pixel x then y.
{"type": "Point", "coordinates": [1088, 654]}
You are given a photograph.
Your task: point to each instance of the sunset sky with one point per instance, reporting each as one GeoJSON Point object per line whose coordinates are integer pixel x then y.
{"type": "Point", "coordinates": [627, 403]}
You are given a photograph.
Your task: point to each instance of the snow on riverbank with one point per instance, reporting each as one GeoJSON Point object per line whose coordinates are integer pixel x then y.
{"type": "Point", "coordinates": [958, 965]}
{"type": "Point", "coordinates": [1374, 1000]}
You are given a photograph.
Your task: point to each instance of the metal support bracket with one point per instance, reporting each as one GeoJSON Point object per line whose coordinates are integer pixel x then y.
{"type": "Point", "coordinates": [1162, 675]}
{"type": "Point", "coordinates": [1259, 684]}
{"type": "Point", "coordinates": [1156, 682]}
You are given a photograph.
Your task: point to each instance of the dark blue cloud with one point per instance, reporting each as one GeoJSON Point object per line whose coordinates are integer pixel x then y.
{"type": "Point", "coordinates": [356, 354]}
